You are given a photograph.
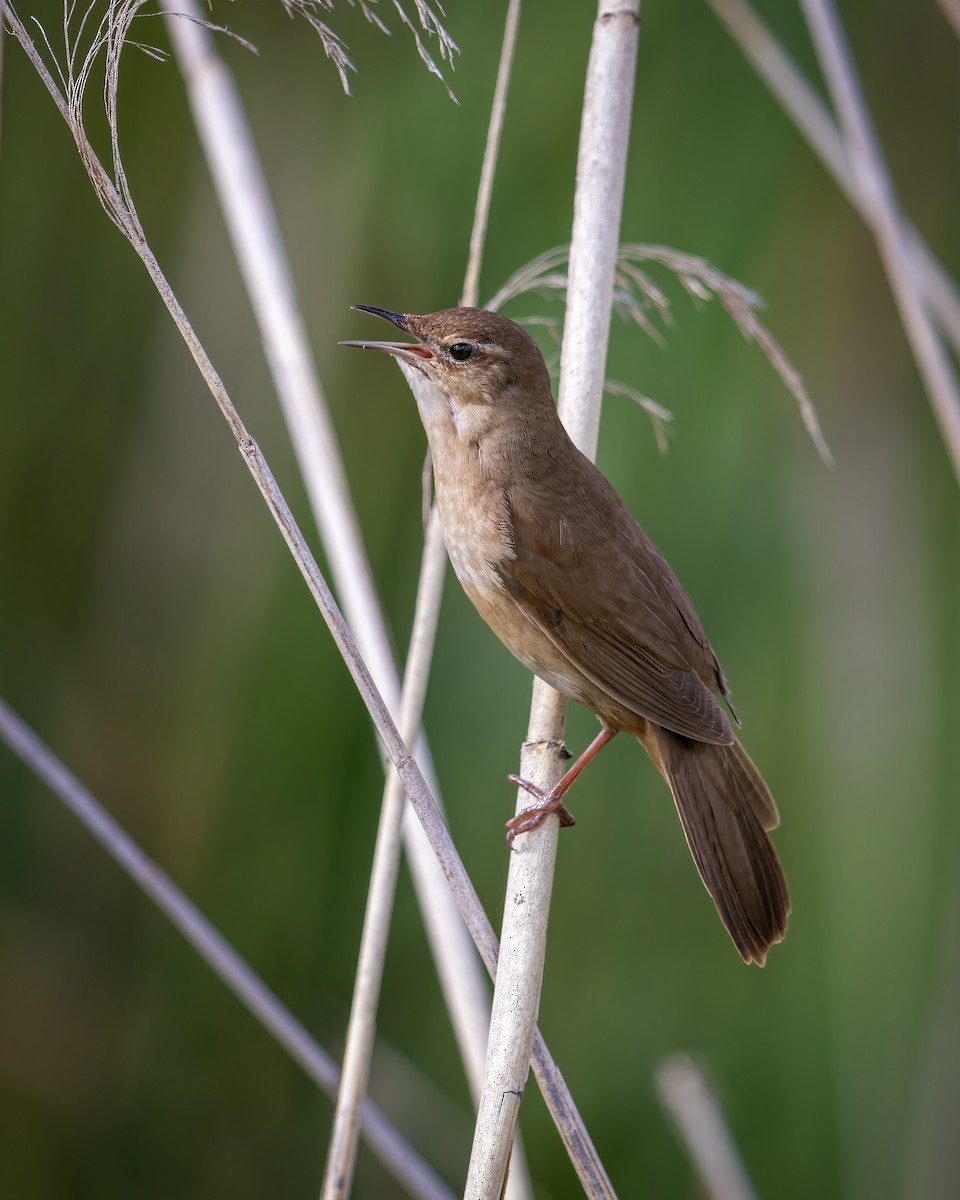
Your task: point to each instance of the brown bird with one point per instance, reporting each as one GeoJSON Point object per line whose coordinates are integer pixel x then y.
{"type": "Point", "coordinates": [573, 587]}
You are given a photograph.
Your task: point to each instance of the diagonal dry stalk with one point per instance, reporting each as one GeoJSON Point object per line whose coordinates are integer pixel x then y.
{"type": "Point", "coordinates": [810, 115]}
{"type": "Point", "coordinates": [598, 203]}
{"type": "Point", "coordinates": [345, 1133]}
{"type": "Point", "coordinates": [882, 214]}
{"type": "Point", "coordinates": [951, 10]}
{"type": "Point", "coordinates": [117, 202]}
{"type": "Point", "coordinates": [696, 1113]}
{"type": "Point", "coordinates": [398, 1156]}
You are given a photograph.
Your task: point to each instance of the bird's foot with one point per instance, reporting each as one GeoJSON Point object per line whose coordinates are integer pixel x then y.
{"type": "Point", "coordinates": [534, 816]}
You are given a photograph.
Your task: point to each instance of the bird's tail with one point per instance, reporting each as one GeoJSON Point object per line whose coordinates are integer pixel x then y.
{"type": "Point", "coordinates": [725, 809]}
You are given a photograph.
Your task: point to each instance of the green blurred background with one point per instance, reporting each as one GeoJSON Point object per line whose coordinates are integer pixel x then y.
{"type": "Point", "coordinates": [156, 633]}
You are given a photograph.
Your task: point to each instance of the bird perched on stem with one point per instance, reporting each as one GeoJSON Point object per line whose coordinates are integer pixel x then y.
{"type": "Point", "coordinates": [573, 587]}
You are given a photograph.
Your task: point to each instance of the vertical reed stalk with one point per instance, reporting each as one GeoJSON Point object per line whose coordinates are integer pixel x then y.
{"type": "Point", "coordinates": [598, 202]}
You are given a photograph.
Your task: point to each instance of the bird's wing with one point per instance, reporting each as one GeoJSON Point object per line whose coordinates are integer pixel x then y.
{"type": "Point", "coordinates": [596, 585]}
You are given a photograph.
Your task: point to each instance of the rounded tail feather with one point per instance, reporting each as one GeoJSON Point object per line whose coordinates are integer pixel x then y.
{"type": "Point", "coordinates": [725, 809]}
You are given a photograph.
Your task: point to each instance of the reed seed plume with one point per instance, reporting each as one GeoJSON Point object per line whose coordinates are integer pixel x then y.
{"type": "Point", "coordinates": [637, 298]}
{"type": "Point", "coordinates": [336, 49]}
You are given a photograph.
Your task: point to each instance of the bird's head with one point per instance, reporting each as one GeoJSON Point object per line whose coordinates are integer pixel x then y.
{"type": "Point", "coordinates": [467, 358]}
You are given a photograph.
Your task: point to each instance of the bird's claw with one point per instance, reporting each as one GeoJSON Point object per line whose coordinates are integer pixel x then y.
{"type": "Point", "coordinates": [534, 816]}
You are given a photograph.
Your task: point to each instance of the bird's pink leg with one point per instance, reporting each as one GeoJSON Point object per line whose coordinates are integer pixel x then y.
{"type": "Point", "coordinates": [552, 801]}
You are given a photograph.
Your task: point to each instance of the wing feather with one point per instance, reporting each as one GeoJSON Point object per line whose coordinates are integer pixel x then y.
{"type": "Point", "coordinates": [607, 599]}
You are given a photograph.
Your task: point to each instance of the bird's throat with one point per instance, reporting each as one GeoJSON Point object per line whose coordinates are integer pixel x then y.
{"type": "Point", "coordinates": [452, 428]}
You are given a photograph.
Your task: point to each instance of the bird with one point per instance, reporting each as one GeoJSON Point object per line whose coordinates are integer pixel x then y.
{"type": "Point", "coordinates": [567, 579]}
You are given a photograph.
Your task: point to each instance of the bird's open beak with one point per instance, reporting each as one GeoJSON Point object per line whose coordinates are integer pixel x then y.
{"type": "Point", "coordinates": [412, 352]}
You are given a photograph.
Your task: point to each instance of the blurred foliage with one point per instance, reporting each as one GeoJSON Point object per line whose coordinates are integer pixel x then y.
{"type": "Point", "coordinates": [157, 635]}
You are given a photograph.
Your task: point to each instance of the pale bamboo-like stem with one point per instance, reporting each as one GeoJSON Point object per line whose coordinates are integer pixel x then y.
{"type": "Point", "coordinates": [234, 164]}
{"type": "Point", "coordinates": [403, 1162]}
{"type": "Point", "coordinates": [808, 112]}
{"type": "Point", "coordinates": [881, 212]}
{"type": "Point", "coordinates": [238, 177]}
{"type": "Point", "coordinates": [699, 1121]}
{"type": "Point", "coordinates": [358, 1050]}
{"type": "Point", "coordinates": [594, 242]}
{"type": "Point", "coordinates": [556, 1094]}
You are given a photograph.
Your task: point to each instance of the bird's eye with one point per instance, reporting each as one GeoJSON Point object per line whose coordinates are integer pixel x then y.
{"type": "Point", "coordinates": [461, 351]}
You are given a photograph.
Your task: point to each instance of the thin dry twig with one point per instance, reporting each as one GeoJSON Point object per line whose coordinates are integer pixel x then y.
{"type": "Point", "coordinates": [404, 1163]}
{"type": "Point", "coordinates": [882, 213]}
{"type": "Point", "coordinates": [808, 112]}
{"type": "Point", "coordinates": [491, 154]}
{"type": "Point", "coordinates": [696, 1113]}
{"type": "Point", "coordinates": [637, 298]}
{"type": "Point", "coordinates": [598, 202]}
